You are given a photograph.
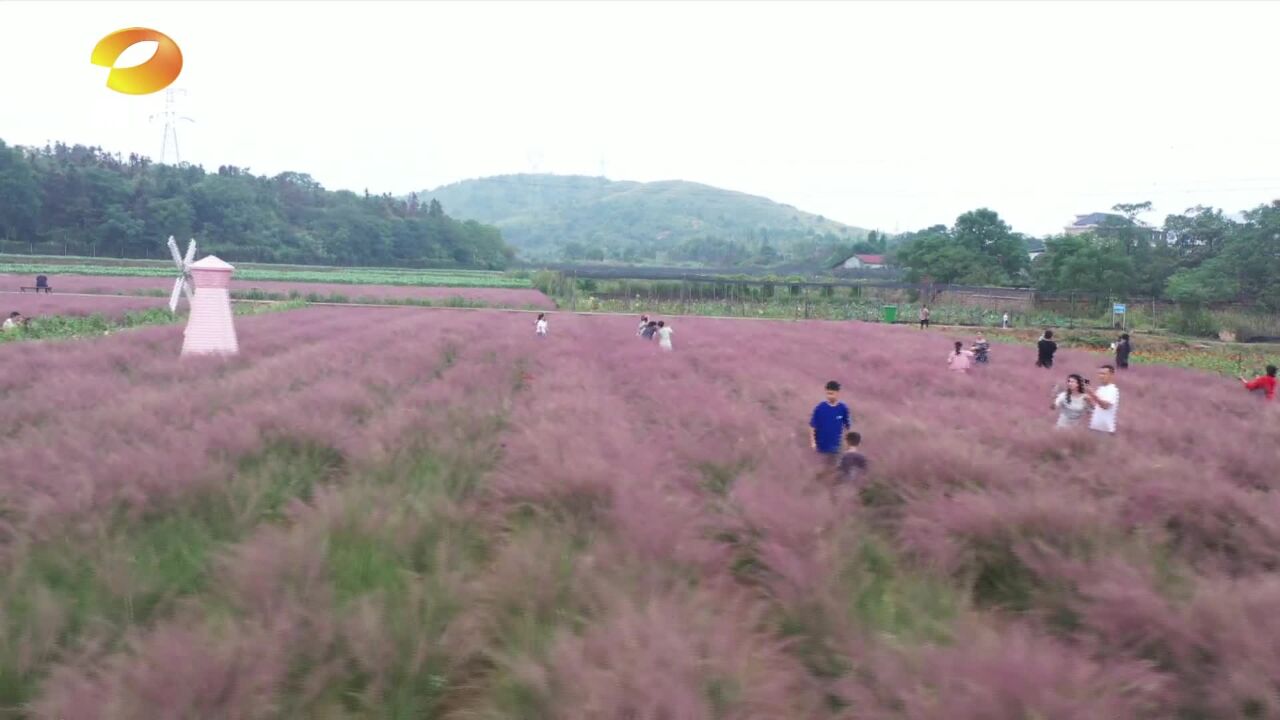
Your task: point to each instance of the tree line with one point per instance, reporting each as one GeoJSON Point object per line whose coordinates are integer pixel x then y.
{"type": "Point", "coordinates": [1198, 257]}
{"type": "Point", "coordinates": [102, 204]}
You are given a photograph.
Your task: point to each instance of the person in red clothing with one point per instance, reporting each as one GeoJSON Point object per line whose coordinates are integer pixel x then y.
{"type": "Point", "coordinates": [1266, 383]}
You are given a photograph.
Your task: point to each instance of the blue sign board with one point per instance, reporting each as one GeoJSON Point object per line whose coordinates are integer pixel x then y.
{"type": "Point", "coordinates": [1118, 309]}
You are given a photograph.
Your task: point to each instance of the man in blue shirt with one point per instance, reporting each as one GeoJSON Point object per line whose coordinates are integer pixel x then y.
{"type": "Point", "coordinates": [830, 421]}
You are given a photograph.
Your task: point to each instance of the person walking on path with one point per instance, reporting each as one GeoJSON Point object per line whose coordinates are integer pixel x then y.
{"type": "Point", "coordinates": [1071, 403]}
{"type": "Point", "coordinates": [1045, 350]}
{"type": "Point", "coordinates": [961, 360]}
{"type": "Point", "coordinates": [1105, 400]}
{"type": "Point", "coordinates": [1123, 348]}
{"type": "Point", "coordinates": [540, 327]}
{"type": "Point", "coordinates": [830, 420]}
{"type": "Point", "coordinates": [1266, 383]}
{"type": "Point", "coordinates": [664, 335]}
{"type": "Point", "coordinates": [924, 317]}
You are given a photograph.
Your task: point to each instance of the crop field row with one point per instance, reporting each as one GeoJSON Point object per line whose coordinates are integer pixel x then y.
{"type": "Point", "coordinates": [160, 286]}
{"type": "Point", "coordinates": [436, 514]}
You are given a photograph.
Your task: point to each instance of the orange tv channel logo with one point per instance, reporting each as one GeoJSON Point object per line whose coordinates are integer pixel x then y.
{"type": "Point", "coordinates": [151, 76]}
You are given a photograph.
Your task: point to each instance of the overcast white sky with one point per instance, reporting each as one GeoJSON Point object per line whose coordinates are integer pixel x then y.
{"type": "Point", "coordinates": [884, 116]}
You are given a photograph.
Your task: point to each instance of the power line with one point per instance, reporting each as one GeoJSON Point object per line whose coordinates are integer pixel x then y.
{"type": "Point", "coordinates": [171, 119]}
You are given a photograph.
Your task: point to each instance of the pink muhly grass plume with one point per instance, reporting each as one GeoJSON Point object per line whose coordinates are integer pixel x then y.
{"type": "Point", "coordinates": [39, 305]}
{"type": "Point", "coordinates": [678, 656]}
{"type": "Point", "coordinates": [1000, 674]}
{"type": "Point", "coordinates": [176, 672]}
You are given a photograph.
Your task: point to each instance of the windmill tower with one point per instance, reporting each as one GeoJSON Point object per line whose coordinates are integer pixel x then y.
{"type": "Point", "coordinates": [171, 118]}
{"type": "Point", "coordinates": [210, 327]}
{"type": "Point", "coordinates": [183, 283]}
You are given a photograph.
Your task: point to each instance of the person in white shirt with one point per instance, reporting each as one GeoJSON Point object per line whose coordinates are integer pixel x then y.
{"type": "Point", "coordinates": [14, 321]}
{"type": "Point", "coordinates": [664, 335]}
{"type": "Point", "coordinates": [1105, 400]}
{"type": "Point", "coordinates": [1004, 321]}
{"type": "Point", "coordinates": [540, 327]}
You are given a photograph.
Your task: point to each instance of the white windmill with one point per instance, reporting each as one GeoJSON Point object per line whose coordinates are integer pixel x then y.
{"type": "Point", "coordinates": [183, 284]}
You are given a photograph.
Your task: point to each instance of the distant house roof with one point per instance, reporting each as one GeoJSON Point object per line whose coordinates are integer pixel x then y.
{"type": "Point", "coordinates": [871, 259]}
{"type": "Point", "coordinates": [1093, 219]}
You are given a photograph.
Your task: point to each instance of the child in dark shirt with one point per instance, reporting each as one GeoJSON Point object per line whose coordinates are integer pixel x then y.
{"type": "Point", "coordinates": [844, 479]}
{"type": "Point", "coordinates": [1045, 350]}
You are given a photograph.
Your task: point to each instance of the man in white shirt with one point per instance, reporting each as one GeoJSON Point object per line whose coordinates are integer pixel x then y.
{"type": "Point", "coordinates": [1105, 400]}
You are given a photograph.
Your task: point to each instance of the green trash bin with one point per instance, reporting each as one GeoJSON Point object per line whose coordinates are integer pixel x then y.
{"type": "Point", "coordinates": [891, 313]}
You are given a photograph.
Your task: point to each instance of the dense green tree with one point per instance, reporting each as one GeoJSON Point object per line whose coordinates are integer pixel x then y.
{"type": "Point", "coordinates": [1084, 263]}
{"type": "Point", "coordinates": [1198, 234]}
{"type": "Point", "coordinates": [979, 249]}
{"type": "Point", "coordinates": [20, 194]}
{"type": "Point", "coordinates": [85, 200]}
{"type": "Point", "coordinates": [1246, 268]}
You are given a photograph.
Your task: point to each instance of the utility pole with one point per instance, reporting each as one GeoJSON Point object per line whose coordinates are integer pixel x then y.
{"type": "Point", "coordinates": [171, 118]}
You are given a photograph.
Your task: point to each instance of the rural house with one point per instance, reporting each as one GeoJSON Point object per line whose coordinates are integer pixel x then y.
{"type": "Point", "coordinates": [863, 262]}
{"type": "Point", "coordinates": [1093, 222]}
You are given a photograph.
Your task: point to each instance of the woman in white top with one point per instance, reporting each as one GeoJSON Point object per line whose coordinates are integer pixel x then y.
{"type": "Point", "coordinates": [664, 335]}
{"type": "Point", "coordinates": [540, 327]}
{"type": "Point", "coordinates": [1071, 403]}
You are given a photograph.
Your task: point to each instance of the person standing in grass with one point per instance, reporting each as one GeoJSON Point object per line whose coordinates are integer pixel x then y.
{"type": "Point", "coordinates": [644, 323]}
{"type": "Point", "coordinates": [540, 327]}
{"type": "Point", "coordinates": [1123, 347]}
{"type": "Point", "coordinates": [664, 335]}
{"type": "Point", "coordinates": [961, 360]}
{"type": "Point", "coordinates": [981, 349]}
{"type": "Point", "coordinates": [1105, 400]}
{"type": "Point", "coordinates": [924, 317]}
{"type": "Point", "coordinates": [649, 330]}
{"type": "Point", "coordinates": [830, 420]}
{"type": "Point", "coordinates": [845, 477]}
{"type": "Point", "coordinates": [1045, 350]}
{"type": "Point", "coordinates": [1071, 403]}
{"type": "Point", "coordinates": [1266, 383]}
{"type": "Point", "coordinates": [1004, 321]}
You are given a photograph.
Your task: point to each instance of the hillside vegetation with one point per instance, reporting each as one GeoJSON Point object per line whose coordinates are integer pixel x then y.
{"type": "Point", "coordinates": [573, 217]}
{"type": "Point", "coordinates": [77, 200]}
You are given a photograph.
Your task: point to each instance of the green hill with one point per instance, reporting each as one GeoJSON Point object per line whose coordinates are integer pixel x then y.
{"type": "Point", "coordinates": [573, 217]}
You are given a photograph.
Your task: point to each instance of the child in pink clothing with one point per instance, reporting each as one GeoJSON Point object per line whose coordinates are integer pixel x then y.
{"type": "Point", "coordinates": [960, 360]}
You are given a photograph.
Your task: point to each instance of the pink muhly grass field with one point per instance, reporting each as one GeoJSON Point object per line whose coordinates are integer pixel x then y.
{"type": "Point", "coordinates": [35, 305]}
{"type": "Point", "coordinates": [127, 285]}
{"type": "Point", "coordinates": [584, 526]}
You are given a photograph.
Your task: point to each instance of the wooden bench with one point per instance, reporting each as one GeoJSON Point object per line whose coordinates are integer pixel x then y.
{"type": "Point", "coordinates": [37, 288]}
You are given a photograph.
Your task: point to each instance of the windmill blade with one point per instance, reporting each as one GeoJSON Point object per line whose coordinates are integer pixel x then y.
{"type": "Point", "coordinates": [191, 253]}
{"type": "Point", "coordinates": [189, 288]}
{"type": "Point", "coordinates": [173, 250]}
{"type": "Point", "coordinates": [178, 286]}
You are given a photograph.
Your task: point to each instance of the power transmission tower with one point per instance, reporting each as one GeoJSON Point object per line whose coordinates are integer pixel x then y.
{"type": "Point", "coordinates": [171, 118]}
